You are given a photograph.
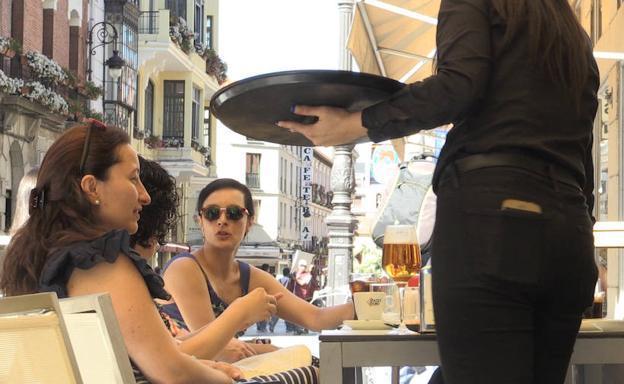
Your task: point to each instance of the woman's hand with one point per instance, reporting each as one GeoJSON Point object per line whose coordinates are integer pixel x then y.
{"type": "Point", "coordinates": [235, 350]}
{"type": "Point", "coordinates": [256, 306]}
{"type": "Point", "coordinates": [226, 368]}
{"type": "Point", "coordinates": [334, 126]}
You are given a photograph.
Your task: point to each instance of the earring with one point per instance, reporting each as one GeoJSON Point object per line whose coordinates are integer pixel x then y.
{"type": "Point", "coordinates": [97, 202]}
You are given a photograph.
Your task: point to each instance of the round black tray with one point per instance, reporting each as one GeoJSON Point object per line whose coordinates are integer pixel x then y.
{"type": "Point", "coordinates": [252, 106]}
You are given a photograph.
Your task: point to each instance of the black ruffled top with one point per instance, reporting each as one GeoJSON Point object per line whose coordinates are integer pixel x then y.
{"type": "Point", "coordinates": [86, 254]}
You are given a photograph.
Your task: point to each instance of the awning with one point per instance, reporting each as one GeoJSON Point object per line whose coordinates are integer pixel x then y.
{"type": "Point", "coordinates": [395, 38]}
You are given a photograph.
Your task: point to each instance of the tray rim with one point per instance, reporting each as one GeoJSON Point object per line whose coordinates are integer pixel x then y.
{"type": "Point", "coordinates": [300, 76]}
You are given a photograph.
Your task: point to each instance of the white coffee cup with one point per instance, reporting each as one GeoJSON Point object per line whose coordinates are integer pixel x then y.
{"type": "Point", "coordinates": [369, 305]}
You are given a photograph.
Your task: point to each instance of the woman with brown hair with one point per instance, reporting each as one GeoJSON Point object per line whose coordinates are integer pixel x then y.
{"type": "Point", "coordinates": [87, 200]}
{"type": "Point", "coordinates": [513, 248]}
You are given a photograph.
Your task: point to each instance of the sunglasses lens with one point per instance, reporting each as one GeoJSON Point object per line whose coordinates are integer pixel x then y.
{"type": "Point", "coordinates": [234, 212]}
{"type": "Point", "coordinates": [212, 213]}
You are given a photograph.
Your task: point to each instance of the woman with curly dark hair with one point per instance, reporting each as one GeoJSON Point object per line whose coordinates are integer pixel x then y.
{"type": "Point", "coordinates": [162, 213]}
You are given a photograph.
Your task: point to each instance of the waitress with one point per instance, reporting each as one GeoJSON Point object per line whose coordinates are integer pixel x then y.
{"type": "Point", "coordinates": [513, 261]}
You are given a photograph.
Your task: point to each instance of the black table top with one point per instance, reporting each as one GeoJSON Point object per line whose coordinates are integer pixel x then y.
{"type": "Point", "coordinates": [252, 106]}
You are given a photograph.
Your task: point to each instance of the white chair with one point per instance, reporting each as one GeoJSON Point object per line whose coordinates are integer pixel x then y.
{"type": "Point", "coordinates": [96, 339]}
{"type": "Point", "coordinates": [34, 343]}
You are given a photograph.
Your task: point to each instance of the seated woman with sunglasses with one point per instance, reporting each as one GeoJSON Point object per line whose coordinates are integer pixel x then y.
{"type": "Point", "coordinates": [87, 200]}
{"type": "Point", "coordinates": [205, 282]}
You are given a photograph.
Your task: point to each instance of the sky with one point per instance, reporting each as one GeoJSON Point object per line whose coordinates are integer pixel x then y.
{"type": "Point", "coordinates": [257, 37]}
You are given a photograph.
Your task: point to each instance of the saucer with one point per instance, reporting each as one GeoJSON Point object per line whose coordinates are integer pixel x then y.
{"type": "Point", "coordinates": [366, 324]}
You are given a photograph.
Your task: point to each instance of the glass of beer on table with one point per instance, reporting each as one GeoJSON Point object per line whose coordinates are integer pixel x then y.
{"type": "Point", "coordinates": [401, 260]}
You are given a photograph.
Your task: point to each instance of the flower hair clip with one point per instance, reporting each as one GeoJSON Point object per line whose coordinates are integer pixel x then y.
{"type": "Point", "coordinates": [37, 200]}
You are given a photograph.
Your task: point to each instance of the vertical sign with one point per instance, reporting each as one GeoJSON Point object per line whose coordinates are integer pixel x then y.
{"type": "Point", "coordinates": [306, 192]}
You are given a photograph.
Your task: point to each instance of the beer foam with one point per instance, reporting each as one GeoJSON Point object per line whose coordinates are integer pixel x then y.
{"type": "Point", "coordinates": [400, 234]}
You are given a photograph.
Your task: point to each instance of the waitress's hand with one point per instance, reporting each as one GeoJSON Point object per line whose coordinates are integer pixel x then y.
{"type": "Point", "coordinates": [334, 126]}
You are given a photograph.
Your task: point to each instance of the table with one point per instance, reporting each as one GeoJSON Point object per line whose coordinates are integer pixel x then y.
{"type": "Point", "coordinates": [346, 348]}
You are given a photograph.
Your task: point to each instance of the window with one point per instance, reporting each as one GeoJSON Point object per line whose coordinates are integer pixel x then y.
{"type": "Point", "coordinates": [206, 126]}
{"type": "Point", "coordinates": [291, 180]}
{"type": "Point", "coordinates": [8, 213]}
{"type": "Point", "coordinates": [74, 40]}
{"type": "Point", "coordinates": [149, 108]}
{"type": "Point", "coordinates": [256, 205]}
{"type": "Point", "coordinates": [173, 111]}
{"type": "Point", "coordinates": [596, 20]}
{"type": "Point", "coordinates": [282, 172]}
{"type": "Point", "coordinates": [176, 8]}
{"type": "Point", "coordinates": [208, 39]}
{"type": "Point", "coordinates": [199, 22]}
{"type": "Point", "coordinates": [252, 175]}
{"type": "Point", "coordinates": [47, 33]}
{"type": "Point", "coordinates": [196, 108]}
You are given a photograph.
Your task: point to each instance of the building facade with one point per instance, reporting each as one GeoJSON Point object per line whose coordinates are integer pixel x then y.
{"type": "Point", "coordinates": [42, 84]}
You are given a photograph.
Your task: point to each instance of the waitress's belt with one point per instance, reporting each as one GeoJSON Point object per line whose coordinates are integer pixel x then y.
{"type": "Point", "coordinates": [528, 163]}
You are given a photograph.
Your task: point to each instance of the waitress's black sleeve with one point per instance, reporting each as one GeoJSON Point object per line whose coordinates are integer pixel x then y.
{"type": "Point", "coordinates": [463, 70]}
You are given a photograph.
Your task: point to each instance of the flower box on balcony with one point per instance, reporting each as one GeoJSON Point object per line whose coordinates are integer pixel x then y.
{"type": "Point", "coordinates": [9, 47]}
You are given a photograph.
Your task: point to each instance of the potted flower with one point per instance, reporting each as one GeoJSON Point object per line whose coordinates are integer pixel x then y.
{"type": "Point", "coordinates": [9, 47]}
{"type": "Point", "coordinates": [10, 85]}
{"type": "Point", "coordinates": [138, 134]}
{"type": "Point", "coordinates": [215, 66]}
{"type": "Point", "coordinates": [92, 91]}
{"type": "Point", "coordinates": [181, 34]}
{"type": "Point", "coordinates": [153, 141]}
{"type": "Point", "coordinates": [46, 70]}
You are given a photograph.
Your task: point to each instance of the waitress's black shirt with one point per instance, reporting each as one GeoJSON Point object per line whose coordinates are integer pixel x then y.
{"type": "Point", "coordinates": [495, 97]}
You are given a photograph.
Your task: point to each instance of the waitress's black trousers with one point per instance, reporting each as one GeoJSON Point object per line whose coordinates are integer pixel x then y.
{"type": "Point", "coordinates": [513, 270]}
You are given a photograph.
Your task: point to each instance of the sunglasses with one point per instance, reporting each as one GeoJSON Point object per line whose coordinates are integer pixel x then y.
{"type": "Point", "coordinates": [232, 212]}
{"type": "Point", "coordinates": [85, 149]}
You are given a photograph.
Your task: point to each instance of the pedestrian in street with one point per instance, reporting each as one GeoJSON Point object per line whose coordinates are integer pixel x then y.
{"type": "Point", "coordinates": [284, 279]}
{"type": "Point", "coordinates": [303, 284]}
{"type": "Point", "coordinates": [261, 326]}
{"type": "Point", "coordinates": [513, 267]}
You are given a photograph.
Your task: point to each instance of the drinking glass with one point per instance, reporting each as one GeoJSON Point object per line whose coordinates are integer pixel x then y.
{"type": "Point", "coordinates": [401, 253]}
{"type": "Point", "coordinates": [401, 260]}
{"type": "Point", "coordinates": [392, 311]}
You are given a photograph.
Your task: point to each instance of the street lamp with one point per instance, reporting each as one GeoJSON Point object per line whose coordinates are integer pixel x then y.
{"type": "Point", "coordinates": [114, 64]}
{"type": "Point", "coordinates": [105, 36]}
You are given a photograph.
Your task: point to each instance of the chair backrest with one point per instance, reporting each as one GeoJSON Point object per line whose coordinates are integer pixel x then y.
{"type": "Point", "coordinates": [34, 343]}
{"type": "Point", "coordinates": [96, 339]}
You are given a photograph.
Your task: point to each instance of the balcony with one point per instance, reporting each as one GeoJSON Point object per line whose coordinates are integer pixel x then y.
{"type": "Point", "coordinates": [252, 180]}
{"type": "Point", "coordinates": [149, 23]}
{"type": "Point", "coordinates": [158, 53]}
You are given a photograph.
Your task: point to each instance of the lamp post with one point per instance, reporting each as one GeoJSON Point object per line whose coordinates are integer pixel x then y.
{"type": "Point", "coordinates": [104, 36]}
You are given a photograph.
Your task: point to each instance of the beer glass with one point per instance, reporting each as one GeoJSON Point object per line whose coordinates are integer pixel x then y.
{"type": "Point", "coordinates": [401, 252]}
{"type": "Point", "coordinates": [401, 260]}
